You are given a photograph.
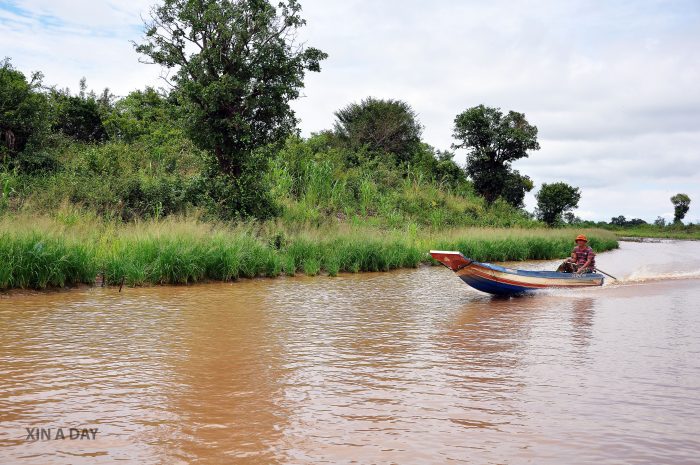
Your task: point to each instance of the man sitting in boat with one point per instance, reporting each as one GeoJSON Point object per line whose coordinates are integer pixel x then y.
{"type": "Point", "coordinates": [582, 258]}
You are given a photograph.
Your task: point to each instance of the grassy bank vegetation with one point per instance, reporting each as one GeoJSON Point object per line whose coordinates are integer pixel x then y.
{"type": "Point", "coordinates": [660, 228]}
{"type": "Point", "coordinates": [74, 248]}
{"type": "Point", "coordinates": [685, 232]}
{"type": "Point", "coordinates": [147, 212]}
{"type": "Point", "coordinates": [639, 228]}
{"type": "Point", "coordinates": [309, 181]}
{"type": "Point", "coordinates": [121, 190]}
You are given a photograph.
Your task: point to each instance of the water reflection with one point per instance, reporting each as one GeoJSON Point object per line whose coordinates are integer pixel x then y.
{"type": "Point", "coordinates": [582, 316]}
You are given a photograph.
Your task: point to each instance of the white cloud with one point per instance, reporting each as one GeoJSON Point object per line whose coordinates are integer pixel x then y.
{"type": "Point", "coordinates": [612, 90]}
{"type": "Point", "coordinates": [87, 14]}
{"type": "Point", "coordinates": [612, 86]}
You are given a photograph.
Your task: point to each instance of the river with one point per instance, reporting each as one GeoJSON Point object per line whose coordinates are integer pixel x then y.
{"type": "Point", "coordinates": [405, 367]}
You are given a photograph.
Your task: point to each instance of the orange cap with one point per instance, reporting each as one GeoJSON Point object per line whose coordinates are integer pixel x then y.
{"type": "Point", "coordinates": [581, 237]}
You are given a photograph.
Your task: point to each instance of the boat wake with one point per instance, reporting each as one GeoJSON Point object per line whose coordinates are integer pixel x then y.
{"type": "Point", "coordinates": [646, 275]}
{"type": "Point", "coordinates": [634, 264]}
{"type": "Point", "coordinates": [640, 276]}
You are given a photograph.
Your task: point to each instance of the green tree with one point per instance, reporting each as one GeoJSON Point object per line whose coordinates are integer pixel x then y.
{"type": "Point", "coordinates": [141, 113]}
{"type": "Point", "coordinates": [515, 188]}
{"type": "Point", "coordinates": [438, 166]}
{"type": "Point", "coordinates": [681, 205]}
{"type": "Point", "coordinates": [380, 126]}
{"type": "Point", "coordinates": [238, 66]}
{"type": "Point", "coordinates": [446, 171]}
{"type": "Point", "coordinates": [79, 116]}
{"type": "Point", "coordinates": [23, 111]}
{"type": "Point", "coordinates": [555, 199]}
{"type": "Point", "coordinates": [493, 141]}
{"type": "Point", "coordinates": [618, 220]}
{"type": "Point", "coordinates": [572, 219]}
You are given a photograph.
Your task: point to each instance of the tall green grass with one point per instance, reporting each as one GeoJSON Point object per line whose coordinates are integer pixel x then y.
{"type": "Point", "coordinates": [70, 249]}
{"type": "Point", "coordinates": [519, 244]}
{"type": "Point", "coordinates": [34, 260]}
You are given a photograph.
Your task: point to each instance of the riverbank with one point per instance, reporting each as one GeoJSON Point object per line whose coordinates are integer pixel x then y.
{"type": "Point", "coordinates": [684, 233]}
{"type": "Point", "coordinates": [38, 252]}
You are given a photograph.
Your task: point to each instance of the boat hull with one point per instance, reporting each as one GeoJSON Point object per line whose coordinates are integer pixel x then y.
{"type": "Point", "coordinates": [498, 280]}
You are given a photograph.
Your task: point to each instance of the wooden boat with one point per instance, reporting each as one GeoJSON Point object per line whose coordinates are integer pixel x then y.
{"type": "Point", "coordinates": [499, 280]}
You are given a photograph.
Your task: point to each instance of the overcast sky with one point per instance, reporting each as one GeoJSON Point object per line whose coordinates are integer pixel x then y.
{"type": "Point", "coordinates": [613, 86]}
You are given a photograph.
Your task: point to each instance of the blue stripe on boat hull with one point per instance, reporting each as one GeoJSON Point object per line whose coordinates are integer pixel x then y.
{"type": "Point", "coordinates": [493, 287]}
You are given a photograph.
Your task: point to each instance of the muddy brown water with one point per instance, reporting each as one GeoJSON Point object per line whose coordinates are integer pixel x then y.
{"type": "Point", "coordinates": [404, 367]}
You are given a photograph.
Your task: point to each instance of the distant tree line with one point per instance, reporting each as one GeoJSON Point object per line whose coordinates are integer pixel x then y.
{"type": "Point", "coordinates": [624, 222]}
{"type": "Point", "coordinates": [681, 205]}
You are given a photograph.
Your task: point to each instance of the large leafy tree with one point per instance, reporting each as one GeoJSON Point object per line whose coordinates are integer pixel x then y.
{"type": "Point", "coordinates": [23, 110]}
{"type": "Point", "coordinates": [237, 65]}
{"type": "Point", "coordinates": [555, 199]}
{"type": "Point", "coordinates": [494, 141]}
{"type": "Point", "coordinates": [380, 126]}
{"type": "Point", "coordinates": [681, 205]}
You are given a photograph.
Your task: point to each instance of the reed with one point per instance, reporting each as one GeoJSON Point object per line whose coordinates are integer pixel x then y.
{"type": "Point", "coordinates": [73, 248]}
{"type": "Point", "coordinates": [37, 261]}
